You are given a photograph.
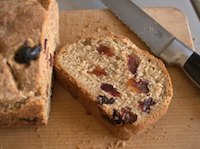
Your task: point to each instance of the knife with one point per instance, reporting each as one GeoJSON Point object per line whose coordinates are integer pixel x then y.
{"type": "Point", "coordinates": [196, 5]}
{"type": "Point", "coordinates": [162, 43]}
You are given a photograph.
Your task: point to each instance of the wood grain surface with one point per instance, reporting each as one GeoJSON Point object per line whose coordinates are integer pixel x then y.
{"type": "Point", "coordinates": [71, 127]}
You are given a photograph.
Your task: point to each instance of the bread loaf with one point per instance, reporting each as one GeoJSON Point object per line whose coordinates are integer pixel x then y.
{"type": "Point", "coordinates": [28, 39]}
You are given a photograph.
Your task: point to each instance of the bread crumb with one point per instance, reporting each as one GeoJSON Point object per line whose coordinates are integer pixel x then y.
{"type": "Point", "coordinates": [37, 132]}
{"type": "Point", "coordinates": [165, 132]}
{"type": "Point", "coordinates": [161, 128]}
{"type": "Point", "coordinates": [117, 144]}
{"type": "Point", "coordinates": [78, 147]}
{"type": "Point", "coordinates": [87, 143]}
{"type": "Point", "coordinates": [156, 138]}
{"type": "Point", "coordinates": [66, 143]}
{"type": "Point", "coordinates": [100, 147]}
{"type": "Point", "coordinates": [37, 129]}
{"type": "Point", "coordinates": [109, 145]}
{"type": "Point", "coordinates": [82, 142]}
{"type": "Point", "coordinates": [87, 26]}
{"type": "Point", "coordinates": [83, 30]}
{"type": "Point", "coordinates": [154, 126]}
{"type": "Point", "coordinates": [98, 29]}
{"type": "Point", "coordinates": [122, 144]}
{"type": "Point", "coordinates": [164, 136]}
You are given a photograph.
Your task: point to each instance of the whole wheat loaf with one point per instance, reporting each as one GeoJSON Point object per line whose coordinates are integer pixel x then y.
{"type": "Point", "coordinates": [28, 38]}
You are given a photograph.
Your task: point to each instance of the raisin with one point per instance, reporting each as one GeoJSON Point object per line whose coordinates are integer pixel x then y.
{"type": "Point", "coordinates": [116, 117]}
{"type": "Point", "coordinates": [146, 104]}
{"type": "Point", "coordinates": [110, 89]}
{"type": "Point", "coordinates": [128, 116]}
{"type": "Point", "coordinates": [105, 50]}
{"type": "Point", "coordinates": [25, 54]}
{"type": "Point", "coordinates": [104, 100]}
{"type": "Point", "coordinates": [138, 86]}
{"type": "Point", "coordinates": [98, 71]}
{"type": "Point", "coordinates": [125, 117]}
{"type": "Point", "coordinates": [133, 64]}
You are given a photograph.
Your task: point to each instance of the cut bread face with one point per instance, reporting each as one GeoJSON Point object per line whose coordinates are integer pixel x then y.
{"type": "Point", "coordinates": [126, 88]}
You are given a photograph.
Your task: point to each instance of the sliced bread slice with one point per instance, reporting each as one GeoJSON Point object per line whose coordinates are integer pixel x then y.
{"type": "Point", "coordinates": [124, 87]}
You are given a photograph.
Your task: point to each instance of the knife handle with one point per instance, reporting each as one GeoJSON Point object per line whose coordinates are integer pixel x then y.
{"type": "Point", "coordinates": [179, 54]}
{"type": "Point", "coordinates": [192, 68]}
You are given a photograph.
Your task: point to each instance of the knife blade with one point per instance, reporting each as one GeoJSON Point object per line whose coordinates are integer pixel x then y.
{"type": "Point", "coordinates": [162, 43]}
{"type": "Point", "coordinates": [196, 5]}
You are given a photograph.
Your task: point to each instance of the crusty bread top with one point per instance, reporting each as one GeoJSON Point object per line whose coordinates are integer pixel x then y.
{"type": "Point", "coordinates": [20, 20]}
{"type": "Point", "coordinates": [121, 78]}
{"type": "Point", "coordinates": [22, 24]}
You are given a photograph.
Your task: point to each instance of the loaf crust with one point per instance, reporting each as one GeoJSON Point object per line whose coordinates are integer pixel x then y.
{"type": "Point", "coordinates": [25, 88]}
{"type": "Point", "coordinates": [69, 74]}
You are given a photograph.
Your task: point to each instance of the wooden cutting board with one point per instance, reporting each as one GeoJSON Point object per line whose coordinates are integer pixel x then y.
{"type": "Point", "coordinates": [70, 126]}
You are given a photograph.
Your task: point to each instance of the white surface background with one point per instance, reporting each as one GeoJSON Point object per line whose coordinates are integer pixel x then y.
{"type": "Point", "coordinates": [184, 5]}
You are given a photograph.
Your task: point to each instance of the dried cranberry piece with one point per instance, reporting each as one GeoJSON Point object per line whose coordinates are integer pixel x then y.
{"type": "Point", "coordinates": [133, 64]}
{"type": "Point", "coordinates": [146, 104]}
{"type": "Point", "coordinates": [138, 86]}
{"type": "Point", "coordinates": [128, 116]}
{"type": "Point", "coordinates": [98, 71]}
{"type": "Point", "coordinates": [105, 50]}
{"type": "Point", "coordinates": [110, 89]}
{"type": "Point", "coordinates": [25, 54]}
{"type": "Point", "coordinates": [104, 100]}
